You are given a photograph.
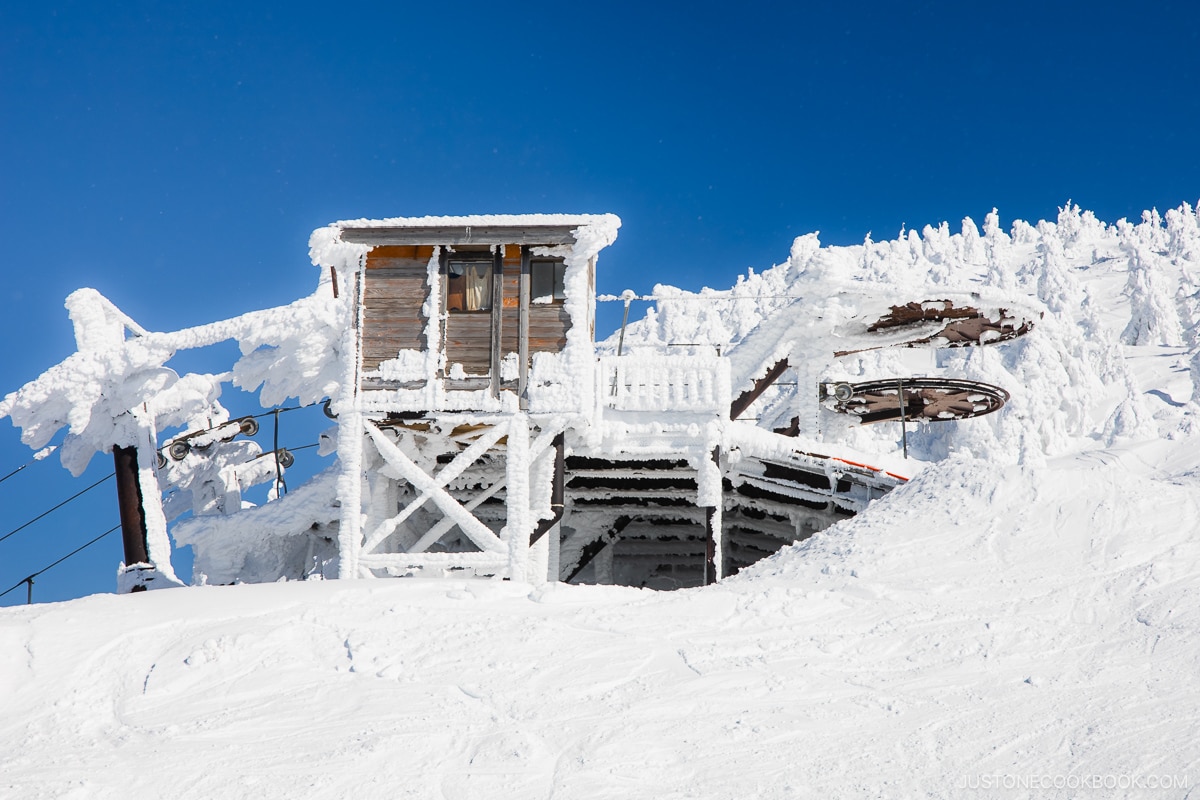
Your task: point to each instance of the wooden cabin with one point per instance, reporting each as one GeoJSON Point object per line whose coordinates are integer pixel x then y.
{"type": "Point", "coordinates": [456, 311]}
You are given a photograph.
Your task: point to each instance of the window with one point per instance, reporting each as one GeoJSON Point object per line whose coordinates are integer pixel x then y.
{"type": "Point", "coordinates": [546, 281]}
{"type": "Point", "coordinates": [468, 285]}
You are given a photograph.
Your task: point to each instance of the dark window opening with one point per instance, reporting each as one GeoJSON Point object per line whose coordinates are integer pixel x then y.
{"type": "Point", "coordinates": [546, 281]}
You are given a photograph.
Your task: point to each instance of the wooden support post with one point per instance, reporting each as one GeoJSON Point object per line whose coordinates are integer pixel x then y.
{"type": "Point", "coordinates": [713, 527]}
{"type": "Point", "coordinates": [523, 291]}
{"type": "Point", "coordinates": [129, 503]}
{"type": "Point", "coordinates": [557, 489]}
{"type": "Point", "coordinates": [543, 554]}
{"type": "Point", "coordinates": [519, 521]}
{"type": "Point", "coordinates": [710, 546]}
{"type": "Point", "coordinates": [497, 319]}
{"type": "Point", "coordinates": [554, 557]}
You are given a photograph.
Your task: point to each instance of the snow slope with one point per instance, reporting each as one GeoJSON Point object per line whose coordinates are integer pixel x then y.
{"type": "Point", "coordinates": [1020, 620]}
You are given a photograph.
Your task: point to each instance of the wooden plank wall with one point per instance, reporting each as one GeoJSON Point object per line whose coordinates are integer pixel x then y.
{"type": "Point", "coordinates": [393, 320]}
{"type": "Point", "coordinates": [548, 326]}
{"type": "Point", "coordinates": [396, 286]}
{"type": "Point", "coordinates": [469, 341]}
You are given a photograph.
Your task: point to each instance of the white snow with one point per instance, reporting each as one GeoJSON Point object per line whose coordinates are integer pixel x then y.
{"type": "Point", "coordinates": [1018, 620]}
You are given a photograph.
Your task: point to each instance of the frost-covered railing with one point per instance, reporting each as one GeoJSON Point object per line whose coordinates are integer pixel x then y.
{"type": "Point", "coordinates": [664, 383]}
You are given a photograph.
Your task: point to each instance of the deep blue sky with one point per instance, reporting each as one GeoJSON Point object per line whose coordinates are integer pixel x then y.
{"type": "Point", "coordinates": [177, 160]}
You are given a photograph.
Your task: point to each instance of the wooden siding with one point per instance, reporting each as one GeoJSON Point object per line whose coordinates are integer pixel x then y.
{"type": "Point", "coordinates": [548, 326]}
{"type": "Point", "coordinates": [469, 341]}
{"type": "Point", "coordinates": [381, 257]}
{"type": "Point", "coordinates": [395, 291]}
{"type": "Point", "coordinates": [510, 326]}
{"type": "Point", "coordinates": [512, 259]}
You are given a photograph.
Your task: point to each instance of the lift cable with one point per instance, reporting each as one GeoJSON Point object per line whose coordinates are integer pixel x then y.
{"type": "Point", "coordinates": [281, 410]}
{"type": "Point", "coordinates": [274, 411]}
{"type": "Point", "coordinates": [29, 579]}
{"type": "Point", "coordinates": [60, 505]}
{"type": "Point", "coordinates": [18, 469]}
{"type": "Point", "coordinates": [38, 456]}
{"type": "Point", "coordinates": [654, 298]}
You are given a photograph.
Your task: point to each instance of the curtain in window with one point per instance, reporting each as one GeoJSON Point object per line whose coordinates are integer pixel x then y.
{"type": "Point", "coordinates": [469, 286]}
{"type": "Point", "coordinates": [477, 290]}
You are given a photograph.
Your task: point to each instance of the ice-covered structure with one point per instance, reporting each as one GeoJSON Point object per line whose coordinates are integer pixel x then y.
{"type": "Point", "coordinates": [481, 430]}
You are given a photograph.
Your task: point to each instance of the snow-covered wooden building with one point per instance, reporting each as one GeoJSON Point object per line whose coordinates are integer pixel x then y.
{"type": "Point", "coordinates": [479, 430]}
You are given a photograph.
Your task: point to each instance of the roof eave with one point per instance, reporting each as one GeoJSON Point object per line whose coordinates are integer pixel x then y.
{"type": "Point", "coordinates": [460, 234]}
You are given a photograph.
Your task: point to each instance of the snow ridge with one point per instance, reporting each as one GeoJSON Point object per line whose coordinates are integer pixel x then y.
{"type": "Point", "coordinates": [1070, 383]}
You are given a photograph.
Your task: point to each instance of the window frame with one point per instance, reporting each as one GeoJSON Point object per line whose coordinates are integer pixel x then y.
{"type": "Point", "coordinates": [477, 260]}
{"type": "Point", "coordinates": [558, 294]}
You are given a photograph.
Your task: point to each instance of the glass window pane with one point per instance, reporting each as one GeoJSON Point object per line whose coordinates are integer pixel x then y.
{"type": "Point", "coordinates": [468, 286]}
{"type": "Point", "coordinates": [560, 271]}
{"type": "Point", "coordinates": [541, 281]}
{"type": "Point", "coordinates": [546, 281]}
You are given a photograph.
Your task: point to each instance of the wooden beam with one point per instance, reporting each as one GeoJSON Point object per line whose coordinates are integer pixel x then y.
{"type": "Point", "coordinates": [497, 319]}
{"type": "Point", "coordinates": [761, 385]}
{"type": "Point", "coordinates": [557, 490]}
{"type": "Point", "coordinates": [523, 290]}
{"type": "Point", "coordinates": [593, 548]}
{"type": "Point", "coordinates": [443, 526]}
{"type": "Point", "coordinates": [461, 234]}
{"type": "Point", "coordinates": [433, 488]}
{"type": "Point", "coordinates": [714, 526]}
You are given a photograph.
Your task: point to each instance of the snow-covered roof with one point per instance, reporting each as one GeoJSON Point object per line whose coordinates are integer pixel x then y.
{"type": "Point", "coordinates": [507, 220]}
{"type": "Point", "coordinates": [478, 228]}
{"type": "Point", "coordinates": [342, 244]}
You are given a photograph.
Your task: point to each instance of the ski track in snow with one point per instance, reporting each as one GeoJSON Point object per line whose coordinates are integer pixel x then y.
{"type": "Point", "coordinates": [1025, 606]}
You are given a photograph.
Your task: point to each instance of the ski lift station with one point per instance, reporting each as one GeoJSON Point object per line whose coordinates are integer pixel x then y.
{"type": "Point", "coordinates": [478, 428]}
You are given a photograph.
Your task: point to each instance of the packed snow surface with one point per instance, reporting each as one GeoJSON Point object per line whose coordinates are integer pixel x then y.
{"type": "Point", "coordinates": [1019, 620]}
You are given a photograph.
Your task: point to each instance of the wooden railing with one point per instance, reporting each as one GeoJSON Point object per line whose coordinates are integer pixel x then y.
{"type": "Point", "coordinates": [695, 384]}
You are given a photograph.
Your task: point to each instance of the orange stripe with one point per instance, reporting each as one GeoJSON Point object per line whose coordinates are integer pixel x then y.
{"type": "Point", "coordinates": [873, 469]}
